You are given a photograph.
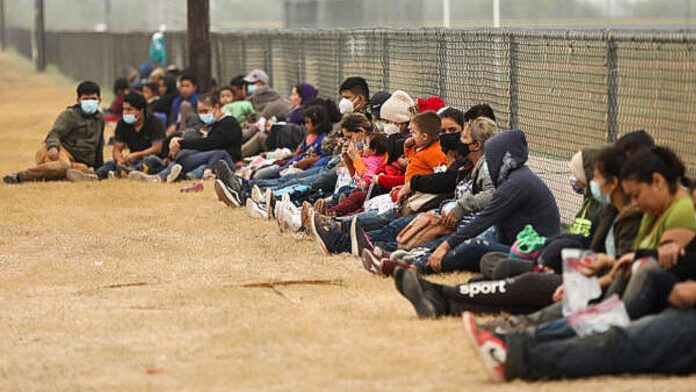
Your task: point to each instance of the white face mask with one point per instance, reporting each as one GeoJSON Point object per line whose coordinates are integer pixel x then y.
{"type": "Point", "coordinates": [346, 106]}
{"type": "Point", "coordinates": [391, 129]}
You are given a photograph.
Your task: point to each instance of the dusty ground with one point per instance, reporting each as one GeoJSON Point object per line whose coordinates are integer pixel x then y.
{"type": "Point", "coordinates": [130, 286]}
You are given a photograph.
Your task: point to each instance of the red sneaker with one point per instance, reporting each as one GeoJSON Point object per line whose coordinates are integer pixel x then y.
{"type": "Point", "coordinates": [197, 187]}
{"type": "Point", "coordinates": [491, 350]}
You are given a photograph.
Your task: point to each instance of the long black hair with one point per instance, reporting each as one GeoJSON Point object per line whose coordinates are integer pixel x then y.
{"type": "Point", "coordinates": [662, 160]}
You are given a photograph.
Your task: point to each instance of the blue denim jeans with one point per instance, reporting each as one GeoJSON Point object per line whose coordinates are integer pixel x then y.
{"type": "Point", "coordinates": [385, 238]}
{"type": "Point", "coordinates": [153, 163]}
{"type": "Point", "coordinates": [660, 343]}
{"type": "Point", "coordinates": [290, 179]}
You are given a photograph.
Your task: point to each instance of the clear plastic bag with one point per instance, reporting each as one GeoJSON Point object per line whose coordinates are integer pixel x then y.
{"type": "Point", "coordinates": [578, 289]}
{"type": "Point", "coordinates": [600, 317]}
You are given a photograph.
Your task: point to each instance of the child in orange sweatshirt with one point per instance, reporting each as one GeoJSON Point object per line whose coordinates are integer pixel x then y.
{"type": "Point", "coordinates": [423, 147]}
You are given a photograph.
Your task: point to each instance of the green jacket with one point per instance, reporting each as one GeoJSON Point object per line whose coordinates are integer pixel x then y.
{"type": "Point", "coordinates": [80, 134]}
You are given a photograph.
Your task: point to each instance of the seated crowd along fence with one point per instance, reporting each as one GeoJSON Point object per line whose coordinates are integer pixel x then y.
{"type": "Point", "coordinates": [566, 89]}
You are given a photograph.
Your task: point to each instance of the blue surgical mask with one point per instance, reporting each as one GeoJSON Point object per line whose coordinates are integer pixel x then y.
{"type": "Point", "coordinates": [129, 119]}
{"type": "Point", "coordinates": [251, 88]}
{"type": "Point", "coordinates": [577, 187]}
{"type": "Point", "coordinates": [207, 118]}
{"type": "Point", "coordinates": [602, 198]}
{"type": "Point", "coordinates": [89, 106]}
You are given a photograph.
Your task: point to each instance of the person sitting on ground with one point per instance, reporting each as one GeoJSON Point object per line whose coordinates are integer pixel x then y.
{"type": "Point", "coordinates": [151, 95]}
{"type": "Point", "coordinates": [139, 132]}
{"type": "Point", "coordinates": [185, 104]}
{"type": "Point", "coordinates": [355, 96]}
{"type": "Point", "coordinates": [300, 93]}
{"type": "Point", "coordinates": [115, 111]}
{"type": "Point", "coordinates": [222, 141]}
{"type": "Point", "coordinates": [75, 144]}
{"type": "Point", "coordinates": [521, 198]}
{"type": "Point", "coordinates": [265, 99]}
{"type": "Point", "coordinates": [166, 87]}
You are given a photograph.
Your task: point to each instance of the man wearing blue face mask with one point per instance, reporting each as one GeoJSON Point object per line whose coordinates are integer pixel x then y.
{"type": "Point", "coordinates": [141, 134]}
{"type": "Point", "coordinates": [74, 145]}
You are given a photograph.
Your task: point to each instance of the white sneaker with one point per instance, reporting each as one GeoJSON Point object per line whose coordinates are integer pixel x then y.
{"type": "Point", "coordinates": [140, 176]}
{"type": "Point", "coordinates": [75, 175]}
{"type": "Point", "coordinates": [256, 194]}
{"type": "Point", "coordinates": [174, 173]}
{"type": "Point", "coordinates": [111, 175]}
{"type": "Point", "coordinates": [292, 217]}
{"type": "Point", "coordinates": [255, 211]}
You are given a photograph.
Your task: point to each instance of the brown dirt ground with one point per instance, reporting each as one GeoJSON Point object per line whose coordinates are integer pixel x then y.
{"type": "Point", "coordinates": [130, 286]}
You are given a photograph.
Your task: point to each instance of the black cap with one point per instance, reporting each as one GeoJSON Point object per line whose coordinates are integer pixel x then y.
{"type": "Point", "coordinates": [376, 102]}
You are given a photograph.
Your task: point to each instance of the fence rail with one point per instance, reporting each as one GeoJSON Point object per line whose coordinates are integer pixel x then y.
{"type": "Point", "coordinates": [565, 89]}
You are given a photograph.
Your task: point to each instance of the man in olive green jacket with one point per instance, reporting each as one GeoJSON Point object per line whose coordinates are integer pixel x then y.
{"type": "Point", "coordinates": [75, 144]}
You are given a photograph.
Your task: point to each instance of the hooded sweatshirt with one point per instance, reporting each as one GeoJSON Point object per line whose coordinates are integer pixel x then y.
{"type": "Point", "coordinates": [520, 198]}
{"type": "Point", "coordinates": [268, 103]}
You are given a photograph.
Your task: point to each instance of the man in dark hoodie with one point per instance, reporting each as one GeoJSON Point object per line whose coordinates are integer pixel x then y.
{"type": "Point", "coordinates": [521, 198]}
{"type": "Point", "coordinates": [74, 146]}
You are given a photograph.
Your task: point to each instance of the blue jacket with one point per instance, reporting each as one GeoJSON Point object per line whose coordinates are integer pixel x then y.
{"type": "Point", "coordinates": [520, 198]}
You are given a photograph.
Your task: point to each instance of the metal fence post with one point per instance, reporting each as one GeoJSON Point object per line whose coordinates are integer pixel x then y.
{"type": "Point", "coordinates": [301, 71]}
{"type": "Point", "coordinates": [339, 57]}
{"type": "Point", "coordinates": [385, 62]}
{"type": "Point", "coordinates": [269, 59]}
{"type": "Point", "coordinates": [612, 89]}
{"type": "Point", "coordinates": [513, 49]}
{"type": "Point", "coordinates": [442, 65]}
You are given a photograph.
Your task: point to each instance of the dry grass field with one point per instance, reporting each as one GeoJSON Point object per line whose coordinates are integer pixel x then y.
{"type": "Point", "coordinates": [131, 286]}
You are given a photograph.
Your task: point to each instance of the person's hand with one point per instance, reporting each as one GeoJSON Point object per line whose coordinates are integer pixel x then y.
{"type": "Point", "coordinates": [435, 260]}
{"type": "Point", "coordinates": [375, 178]}
{"type": "Point", "coordinates": [683, 294]}
{"type": "Point", "coordinates": [404, 191]}
{"type": "Point", "coordinates": [668, 254]}
{"type": "Point", "coordinates": [174, 146]}
{"type": "Point", "coordinates": [303, 164]}
{"type": "Point", "coordinates": [589, 267]}
{"type": "Point", "coordinates": [558, 294]}
{"type": "Point", "coordinates": [451, 219]}
{"type": "Point", "coordinates": [622, 266]}
{"type": "Point", "coordinates": [129, 159]}
{"type": "Point", "coordinates": [353, 151]}
{"type": "Point", "coordinates": [52, 154]}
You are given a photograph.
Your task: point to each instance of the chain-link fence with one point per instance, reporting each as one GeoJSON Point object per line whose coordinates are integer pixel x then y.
{"type": "Point", "coordinates": [565, 89]}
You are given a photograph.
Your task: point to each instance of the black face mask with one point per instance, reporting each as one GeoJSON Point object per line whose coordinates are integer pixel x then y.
{"type": "Point", "coordinates": [463, 150]}
{"type": "Point", "coordinates": [450, 141]}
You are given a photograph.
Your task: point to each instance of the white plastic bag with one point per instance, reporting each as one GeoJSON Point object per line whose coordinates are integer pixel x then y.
{"type": "Point", "coordinates": [381, 204]}
{"type": "Point", "coordinates": [578, 289]}
{"type": "Point", "coordinates": [600, 317]}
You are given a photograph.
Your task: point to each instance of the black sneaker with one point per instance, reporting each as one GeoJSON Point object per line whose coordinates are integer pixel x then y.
{"type": "Point", "coordinates": [327, 235]}
{"type": "Point", "coordinates": [12, 178]}
{"type": "Point", "coordinates": [358, 238]}
{"type": "Point", "coordinates": [423, 295]}
{"type": "Point", "coordinates": [227, 195]}
{"type": "Point", "coordinates": [227, 176]}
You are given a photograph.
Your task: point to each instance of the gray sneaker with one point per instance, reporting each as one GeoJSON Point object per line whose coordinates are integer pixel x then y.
{"type": "Point", "coordinates": [74, 175]}
{"type": "Point", "coordinates": [140, 176]}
